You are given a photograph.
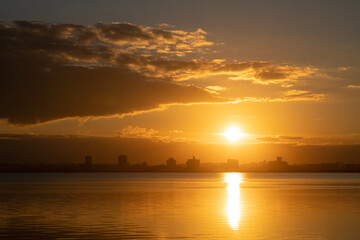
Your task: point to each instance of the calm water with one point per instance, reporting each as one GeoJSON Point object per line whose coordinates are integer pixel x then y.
{"type": "Point", "coordinates": [180, 205]}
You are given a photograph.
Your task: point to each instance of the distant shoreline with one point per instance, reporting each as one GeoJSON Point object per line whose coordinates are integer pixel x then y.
{"type": "Point", "coordinates": [19, 171]}
{"type": "Point", "coordinates": [230, 166]}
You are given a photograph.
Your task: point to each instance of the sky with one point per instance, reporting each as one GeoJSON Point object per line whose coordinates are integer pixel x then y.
{"type": "Point", "coordinates": [286, 73]}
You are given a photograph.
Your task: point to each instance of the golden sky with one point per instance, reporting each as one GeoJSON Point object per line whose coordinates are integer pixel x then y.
{"type": "Point", "coordinates": [281, 72]}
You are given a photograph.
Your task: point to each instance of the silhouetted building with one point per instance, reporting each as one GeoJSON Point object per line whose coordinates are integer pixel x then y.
{"type": "Point", "coordinates": [171, 163]}
{"type": "Point", "coordinates": [278, 165]}
{"type": "Point", "coordinates": [232, 165]}
{"type": "Point", "coordinates": [193, 164]}
{"type": "Point", "coordinates": [122, 161]}
{"type": "Point", "coordinates": [88, 161]}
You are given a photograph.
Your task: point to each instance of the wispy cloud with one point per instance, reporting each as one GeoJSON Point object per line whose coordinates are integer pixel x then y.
{"type": "Point", "coordinates": [314, 140]}
{"type": "Point", "coordinates": [137, 132]}
{"type": "Point", "coordinates": [353, 86]}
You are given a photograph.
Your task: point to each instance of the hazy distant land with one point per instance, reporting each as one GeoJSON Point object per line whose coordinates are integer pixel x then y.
{"type": "Point", "coordinates": [191, 165]}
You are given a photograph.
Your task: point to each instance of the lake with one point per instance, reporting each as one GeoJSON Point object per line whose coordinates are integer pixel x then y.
{"type": "Point", "coordinates": [180, 206]}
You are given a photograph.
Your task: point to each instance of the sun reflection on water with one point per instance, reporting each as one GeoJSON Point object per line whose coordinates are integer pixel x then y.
{"type": "Point", "coordinates": [233, 207]}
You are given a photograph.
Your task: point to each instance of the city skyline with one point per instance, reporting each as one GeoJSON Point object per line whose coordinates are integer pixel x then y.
{"type": "Point", "coordinates": [72, 149]}
{"type": "Point", "coordinates": [193, 164]}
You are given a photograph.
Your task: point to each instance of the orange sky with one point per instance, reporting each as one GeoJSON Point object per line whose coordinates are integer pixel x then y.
{"type": "Point", "coordinates": [283, 73]}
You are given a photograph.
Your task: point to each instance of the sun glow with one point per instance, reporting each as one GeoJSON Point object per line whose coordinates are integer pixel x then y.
{"type": "Point", "coordinates": [233, 134]}
{"type": "Point", "coordinates": [233, 207]}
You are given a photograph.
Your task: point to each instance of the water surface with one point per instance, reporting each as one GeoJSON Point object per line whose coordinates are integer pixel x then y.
{"type": "Point", "coordinates": [180, 205]}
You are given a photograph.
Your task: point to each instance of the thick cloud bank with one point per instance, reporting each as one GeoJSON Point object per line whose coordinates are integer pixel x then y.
{"type": "Point", "coordinates": [55, 71]}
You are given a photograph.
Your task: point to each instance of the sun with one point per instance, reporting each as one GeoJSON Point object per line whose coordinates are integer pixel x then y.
{"type": "Point", "coordinates": [233, 134]}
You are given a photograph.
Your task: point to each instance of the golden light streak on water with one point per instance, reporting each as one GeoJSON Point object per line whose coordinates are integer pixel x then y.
{"type": "Point", "coordinates": [233, 207]}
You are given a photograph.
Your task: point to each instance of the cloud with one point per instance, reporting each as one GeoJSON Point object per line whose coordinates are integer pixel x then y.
{"type": "Point", "coordinates": [303, 95]}
{"type": "Point", "coordinates": [353, 86]}
{"type": "Point", "coordinates": [295, 92]}
{"type": "Point", "coordinates": [267, 139]}
{"type": "Point", "coordinates": [316, 140]}
{"type": "Point", "coordinates": [35, 95]}
{"type": "Point", "coordinates": [344, 68]}
{"type": "Point", "coordinates": [137, 132]}
{"type": "Point", "coordinates": [57, 71]}
{"type": "Point", "coordinates": [215, 89]}
{"type": "Point", "coordinates": [122, 32]}
{"type": "Point", "coordinates": [291, 138]}
{"type": "Point", "coordinates": [265, 72]}
{"type": "Point", "coordinates": [181, 70]}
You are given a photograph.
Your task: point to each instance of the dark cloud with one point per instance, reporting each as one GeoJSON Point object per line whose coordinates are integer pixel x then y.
{"type": "Point", "coordinates": [314, 140]}
{"type": "Point", "coordinates": [241, 66]}
{"type": "Point", "coordinates": [291, 138]}
{"type": "Point", "coordinates": [268, 139]}
{"type": "Point", "coordinates": [122, 31]}
{"type": "Point", "coordinates": [163, 33]}
{"type": "Point", "coordinates": [271, 74]}
{"type": "Point", "coordinates": [280, 139]}
{"type": "Point", "coordinates": [55, 71]}
{"type": "Point", "coordinates": [180, 70]}
{"type": "Point", "coordinates": [51, 72]}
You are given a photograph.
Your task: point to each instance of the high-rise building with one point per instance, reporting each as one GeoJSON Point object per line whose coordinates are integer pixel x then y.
{"type": "Point", "coordinates": [278, 165]}
{"type": "Point", "coordinates": [193, 164]}
{"type": "Point", "coordinates": [171, 163]}
{"type": "Point", "coordinates": [88, 161]}
{"type": "Point", "coordinates": [122, 161]}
